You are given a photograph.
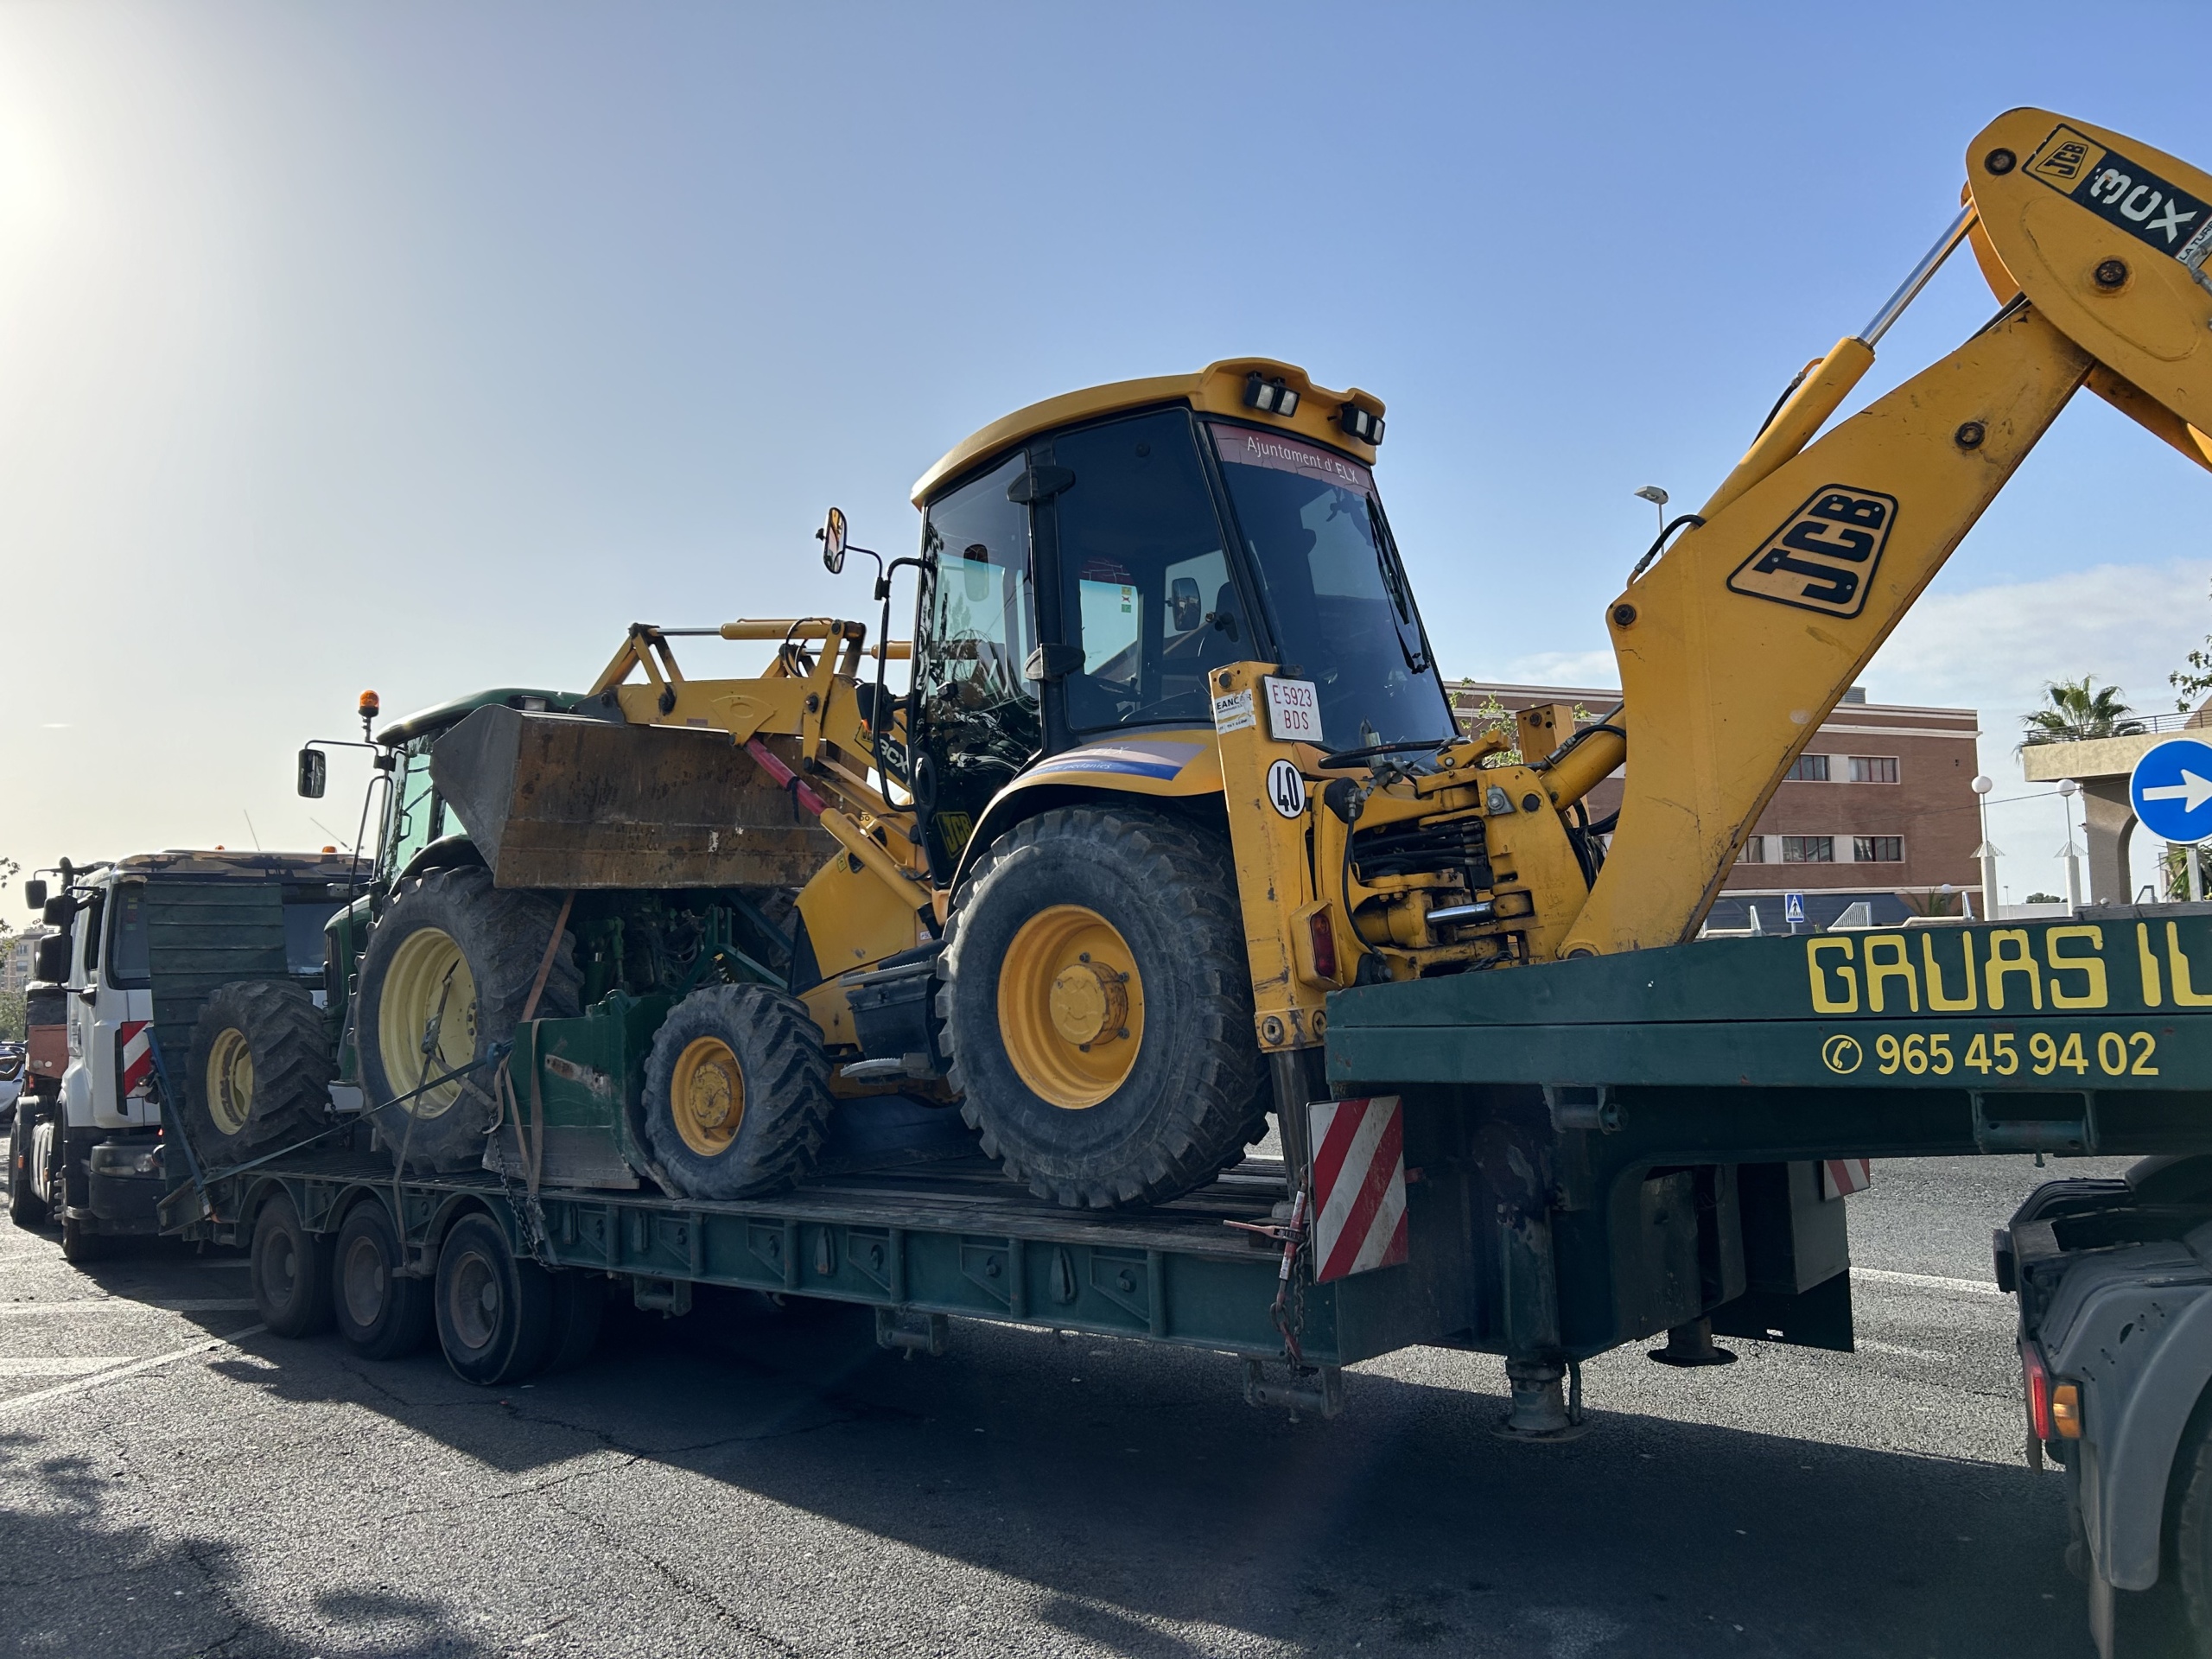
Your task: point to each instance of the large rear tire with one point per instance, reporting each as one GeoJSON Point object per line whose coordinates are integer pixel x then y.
{"type": "Point", "coordinates": [1098, 1007]}
{"type": "Point", "coordinates": [261, 1069]}
{"type": "Point", "coordinates": [737, 1093]}
{"type": "Point", "coordinates": [495, 1311]}
{"type": "Point", "coordinates": [446, 973]}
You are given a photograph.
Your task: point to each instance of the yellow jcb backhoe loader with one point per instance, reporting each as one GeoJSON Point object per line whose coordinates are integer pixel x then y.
{"type": "Point", "coordinates": [1176, 762]}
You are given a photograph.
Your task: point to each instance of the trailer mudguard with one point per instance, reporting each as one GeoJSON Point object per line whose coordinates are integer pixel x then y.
{"type": "Point", "coordinates": [2134, 1328]}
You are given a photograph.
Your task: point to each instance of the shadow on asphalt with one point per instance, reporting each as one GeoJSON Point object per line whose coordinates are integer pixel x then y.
{"type": "Point", "coordinates": [1127, 1484]}
{"type": "Point", "coordinates": [76, 1585]}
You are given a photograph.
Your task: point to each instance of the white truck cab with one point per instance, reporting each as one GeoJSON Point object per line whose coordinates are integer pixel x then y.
{"type": "Point", "coordinates": [148, 938]}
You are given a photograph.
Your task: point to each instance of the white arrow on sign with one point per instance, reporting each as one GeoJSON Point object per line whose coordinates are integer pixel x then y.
{"type": "Point", "coordinates": [2192, 791]}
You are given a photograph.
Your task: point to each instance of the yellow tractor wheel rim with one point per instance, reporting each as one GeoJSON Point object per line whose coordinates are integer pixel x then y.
{"type": "Point", "coordinates": [426, 1021]}
{"type": "Point", "coordinates": [707, 1095]}
{"type": "Point", "coordinates": [1070, 1006]}
{"type": "Point", "coordinates": [230, 1081]}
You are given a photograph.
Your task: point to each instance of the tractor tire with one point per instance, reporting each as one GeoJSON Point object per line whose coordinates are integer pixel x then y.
{"type": "Point", "coordinates": [25, 1208]}
{"type": "Point", "coordinates": [261, 1069]}
{"type": "Point", "coordinates": [288, 1268]}
{"type": "Point", "coordinates": [1097, 1007]}
{"type": "Point", "coordinates": [494, 1310]}
{"type": "Point", "coordinates": [446, 972]}
{"type": "Point", "coordinates": [737, 1093]}
{"type": "Point", "coordinates": [380, 1314]}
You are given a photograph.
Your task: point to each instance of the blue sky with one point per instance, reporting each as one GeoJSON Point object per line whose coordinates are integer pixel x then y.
{"type": "Point", "coordinates": [426, 347]}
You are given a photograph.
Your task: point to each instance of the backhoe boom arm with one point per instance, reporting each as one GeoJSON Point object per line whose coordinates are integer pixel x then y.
{"type": "Point", "coordinates": [1735, 645]}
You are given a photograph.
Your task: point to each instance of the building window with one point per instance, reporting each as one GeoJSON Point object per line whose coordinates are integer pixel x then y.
{"type": "Point", "coordinates": [1810, 769]}
{"type": "Point", "coordinates": [1873, 768]}
{"type": "Point", "coordinates": [1808, 849]}
{"type": "Point", "coordinates": [1878, 849]}
{"type": "Point", "coordinates": [1754, 850]}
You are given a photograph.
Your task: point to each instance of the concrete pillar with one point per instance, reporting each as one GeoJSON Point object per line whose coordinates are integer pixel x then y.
{"type": "Point", "coordinates": [2110, 823]}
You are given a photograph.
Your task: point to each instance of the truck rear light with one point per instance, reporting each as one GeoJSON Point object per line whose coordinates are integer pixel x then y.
{"type": "Point", "coordinates": [2066, 1410]}
{"type": "Point", "coordinates": [2035, 1377]}
{"type": "Point", "coordinates": [1324, 943]}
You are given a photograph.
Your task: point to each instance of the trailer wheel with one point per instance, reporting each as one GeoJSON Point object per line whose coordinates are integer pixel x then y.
{"type": "Point", "coordinates": [495, 1311]}
{"type": "Point", "coordinates": [261, 1067]}
{"type": "Point", "coordinates": [2191, 1524]}
{"type": "Point", "coordinates": [579, 1315]}
{"type": "Point", "coordinates": [737, 1092]}
{"type": "Point", "coordinates": [380, 1314]}
{"type": "Point", "coordinates": [1098, 1005]}
{"type": "Point", "coordinates": [25, 1207]}
{"type": "Point", "coordinates": [446, 973]}
{"type": "Point", "coordinates": [290, 1270]}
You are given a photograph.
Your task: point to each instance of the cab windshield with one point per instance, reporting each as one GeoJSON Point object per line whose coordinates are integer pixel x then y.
{"type": "Point", "coordinates": [1341, 611]}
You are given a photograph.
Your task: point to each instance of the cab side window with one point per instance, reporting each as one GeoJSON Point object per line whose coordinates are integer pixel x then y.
{"type": "Point", "coordinates": [416, 812]}
{"type": "Point", "coordinates": [128, 963]}
{"type": "Point", "coordinates": [1145, 584]}
{"type": "Point", "coordinates": [976, 720]}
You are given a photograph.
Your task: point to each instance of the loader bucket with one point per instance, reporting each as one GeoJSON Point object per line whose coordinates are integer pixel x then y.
{"type": "Point", "coordinates": [562, 801]}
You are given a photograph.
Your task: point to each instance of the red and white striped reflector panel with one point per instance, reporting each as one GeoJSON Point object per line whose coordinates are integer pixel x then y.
{"type": "Point", "coordinates": [1359, 1185]}
{"type": "Point", "coordinates": [135, 1046]}
{"type": "Point", "coordinates": [1842, 1177]}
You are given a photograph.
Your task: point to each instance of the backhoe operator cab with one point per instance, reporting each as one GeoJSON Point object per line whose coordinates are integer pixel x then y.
{"type": "Point", "coordinates": [1085, 580]}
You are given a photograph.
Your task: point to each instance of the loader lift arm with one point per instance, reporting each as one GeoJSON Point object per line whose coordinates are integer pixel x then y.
{"type": "Point", "coordinates": [1736, 645]}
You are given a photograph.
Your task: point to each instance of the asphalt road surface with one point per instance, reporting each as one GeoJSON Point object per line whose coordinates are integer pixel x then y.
{"type": "Point", "coordinates": [175, 1481]}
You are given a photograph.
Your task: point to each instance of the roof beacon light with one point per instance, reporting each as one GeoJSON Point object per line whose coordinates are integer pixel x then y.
{"type": "Point", "coordinates": [1362, 424]}
{"type": "Point", "coordinates": [370, 707]}
{"type": "Point", "coordinates": [1269, 397]}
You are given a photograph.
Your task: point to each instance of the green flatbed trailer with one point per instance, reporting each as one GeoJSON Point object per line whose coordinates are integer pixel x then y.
{"type": "Point", "coordinates": [1595, 1153]}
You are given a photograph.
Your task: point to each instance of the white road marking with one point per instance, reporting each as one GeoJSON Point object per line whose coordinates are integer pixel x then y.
{"type": "Point", "coordinates": [125, 1304]}
{"type": "Point", "coordinates": [23, 1402]}
{"type": "Point", "coordinates": [1926, 1281]}
{"type": "Point", "coordinates": [59, 1365]}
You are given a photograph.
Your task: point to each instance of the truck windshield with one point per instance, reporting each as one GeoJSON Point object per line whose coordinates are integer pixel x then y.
{"type": "Point", "coordinates": [1342, 612]}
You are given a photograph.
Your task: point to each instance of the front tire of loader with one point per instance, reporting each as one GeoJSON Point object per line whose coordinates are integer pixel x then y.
{"type": "Point", "coordinates": [1098, 1007]}
{"type": "Point", "coordinates": [447, 971]}
{"type": "Point", "coordinates": [261, 1069]}
{"type": "Point", "coordinates": [737, 1092]}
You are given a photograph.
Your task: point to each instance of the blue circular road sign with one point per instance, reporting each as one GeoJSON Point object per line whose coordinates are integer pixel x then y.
{"type": "Point", "coordinates": [2171, 789]}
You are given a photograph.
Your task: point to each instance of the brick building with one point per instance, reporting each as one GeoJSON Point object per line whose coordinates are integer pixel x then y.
{"type": "Point", "coordinates": [1879, 808]}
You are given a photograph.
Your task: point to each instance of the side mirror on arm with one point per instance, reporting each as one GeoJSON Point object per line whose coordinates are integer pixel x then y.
{"type": "Point", "coordinates": [35, 892]}
{"type": "Point", "coordinates": [832, 538]}
{"type": "Point", "coordinates": [314, 773]}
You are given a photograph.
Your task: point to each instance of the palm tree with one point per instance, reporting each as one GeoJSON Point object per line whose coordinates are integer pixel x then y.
{"type": "Point", "coordinates": [2077, 713]}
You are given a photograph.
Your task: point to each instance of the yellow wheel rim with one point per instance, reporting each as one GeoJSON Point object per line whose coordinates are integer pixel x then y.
{"type": "Point", "coordinates": [706, 1096]}
{"type": "Point", "coordinates": [1070, 1006]}
{"type": "Point", "coordinates": [426, 1021]}
{"type": "Point", "coordinates": [230, 1081]}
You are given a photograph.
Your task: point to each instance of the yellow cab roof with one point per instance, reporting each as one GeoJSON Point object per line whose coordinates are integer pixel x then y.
{"type": "Point", "coordinates": [1218, 389]}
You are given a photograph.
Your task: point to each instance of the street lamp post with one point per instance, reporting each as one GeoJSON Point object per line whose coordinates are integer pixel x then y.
{"type": "Point", "coordinates": [2068, 789]}
{"type": "Point", "coordinates": [1987, 851]}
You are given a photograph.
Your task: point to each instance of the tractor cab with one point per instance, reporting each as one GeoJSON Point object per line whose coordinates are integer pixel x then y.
{"type": "Point", "coordinates": [1088, 563]}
